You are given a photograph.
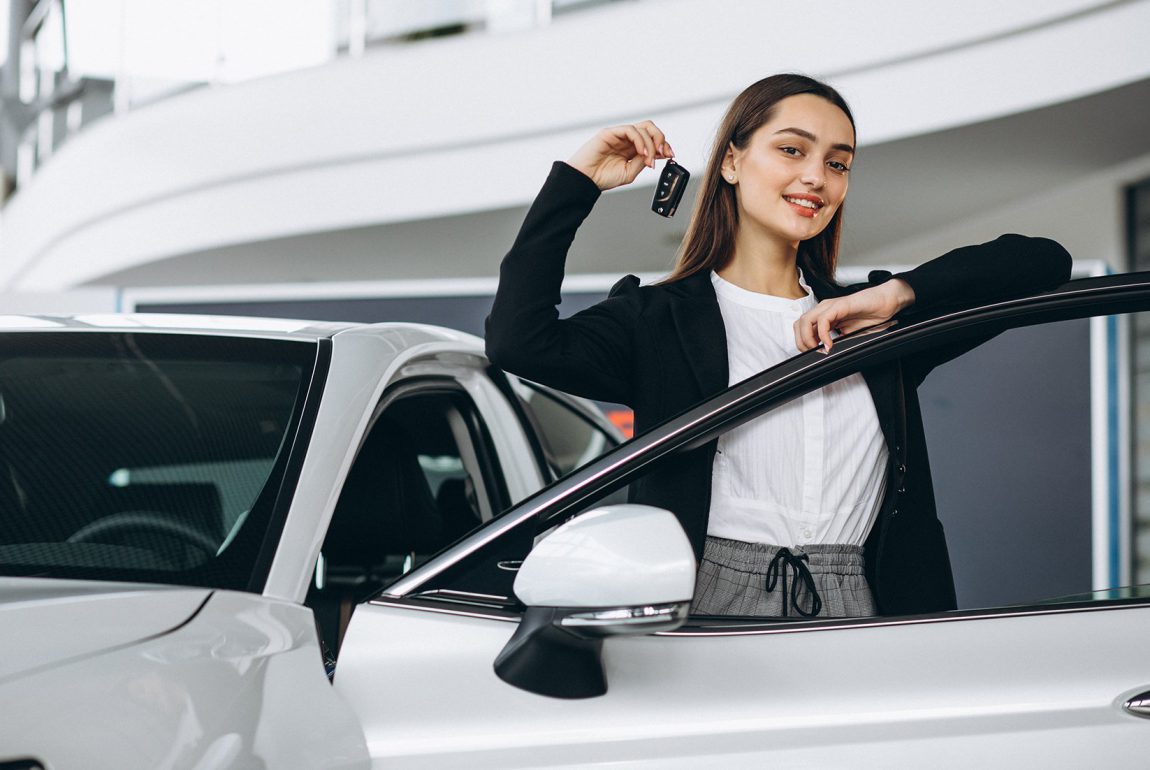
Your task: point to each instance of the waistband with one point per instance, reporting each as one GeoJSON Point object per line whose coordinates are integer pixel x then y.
{"type": "Point", "coordinates": [757, 557]}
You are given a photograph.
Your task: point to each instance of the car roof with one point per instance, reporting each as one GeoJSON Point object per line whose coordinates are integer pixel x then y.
{"type": "Point", "coordinates": [220, 325]}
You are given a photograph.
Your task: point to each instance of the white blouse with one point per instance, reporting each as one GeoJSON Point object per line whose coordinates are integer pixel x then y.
{"type": "Point", "coordinates": [811, 471]}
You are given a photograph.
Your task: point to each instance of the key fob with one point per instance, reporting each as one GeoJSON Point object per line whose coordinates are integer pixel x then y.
{"type": "Point", "coordinates": [669, 191]}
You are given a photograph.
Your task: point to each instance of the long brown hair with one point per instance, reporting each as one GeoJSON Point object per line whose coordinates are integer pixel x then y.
{"type": "Point", "coordinates": [710, 240]}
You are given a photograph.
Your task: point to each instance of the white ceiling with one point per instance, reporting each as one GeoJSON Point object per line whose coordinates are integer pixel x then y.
{"type": "Point", "coordinates": [900, 191]}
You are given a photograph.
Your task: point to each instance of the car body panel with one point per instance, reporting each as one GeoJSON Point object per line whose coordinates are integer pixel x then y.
{"type": "Point", "coordinates": [239, 685]}
{"type": "Point", "coordinates": [33, 611]}
{"type": "Point", "coordinates": [1017, 691]}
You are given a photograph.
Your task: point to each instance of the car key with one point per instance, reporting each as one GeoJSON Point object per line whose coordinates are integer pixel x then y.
{"type": "Point", "coordinates": [669, 191]}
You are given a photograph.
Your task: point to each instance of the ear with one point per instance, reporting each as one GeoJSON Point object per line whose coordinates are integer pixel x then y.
{"type": "Point", "coordinates": [729, 166]}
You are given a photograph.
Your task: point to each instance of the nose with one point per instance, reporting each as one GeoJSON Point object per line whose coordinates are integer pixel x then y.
{"type": "Point", "coordinates": [813, 175]}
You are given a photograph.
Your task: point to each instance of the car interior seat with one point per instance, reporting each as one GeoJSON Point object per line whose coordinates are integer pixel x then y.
{"type": "Point", "coordinates": [384, 520]}
{"type": "Point", "coordinates": [458, 507]}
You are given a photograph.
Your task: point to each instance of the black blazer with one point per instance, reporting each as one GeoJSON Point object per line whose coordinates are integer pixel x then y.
{"type": "Point", "coordinates": [659, 349]}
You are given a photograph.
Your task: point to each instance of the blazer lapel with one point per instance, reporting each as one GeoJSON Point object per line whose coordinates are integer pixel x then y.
{"type": "Point", "coordinates": [699, 324]}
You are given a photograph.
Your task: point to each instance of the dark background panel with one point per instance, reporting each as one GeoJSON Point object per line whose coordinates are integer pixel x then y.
{"type": "Point", "coordinates": [1008, 429]}
{"type": "Point", "coordinates": [1008, 426]}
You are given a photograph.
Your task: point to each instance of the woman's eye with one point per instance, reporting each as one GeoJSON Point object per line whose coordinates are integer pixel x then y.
{"type": "Point", "coordinates": [839, 166]}
{"type": "Point", "coordinates": [793, 151]}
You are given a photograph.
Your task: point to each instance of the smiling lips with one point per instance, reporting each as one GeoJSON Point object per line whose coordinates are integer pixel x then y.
{"type": "Point", "coordinates": [804, 205]}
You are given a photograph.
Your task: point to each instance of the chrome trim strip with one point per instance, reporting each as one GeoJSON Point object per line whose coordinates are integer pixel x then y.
{"type": "Point", "coordinates": [451, 592]}
{"type": "Point", "coordinates": [776, 626]}
{"type": "Point", "coordinates": [831, 624]}
{"type": "Point", "coordinates": [507, 617]}
{"type": "Point", "coordinates": [844, 356]}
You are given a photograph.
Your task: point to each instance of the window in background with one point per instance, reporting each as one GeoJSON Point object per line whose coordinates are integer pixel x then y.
{"type": "Point", "coordinates": [1138, 240]}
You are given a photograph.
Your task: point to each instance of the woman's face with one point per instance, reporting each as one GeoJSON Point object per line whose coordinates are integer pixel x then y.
{"type": "Point", "coordinates": [791, 177]}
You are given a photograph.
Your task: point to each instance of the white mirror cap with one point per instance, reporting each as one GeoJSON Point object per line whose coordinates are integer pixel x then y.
{"type": "Point", "coordinates": [615, 556]}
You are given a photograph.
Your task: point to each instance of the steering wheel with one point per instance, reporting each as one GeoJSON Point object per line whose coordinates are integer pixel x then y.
{"type": "Point", "coordinates": [134, 521]}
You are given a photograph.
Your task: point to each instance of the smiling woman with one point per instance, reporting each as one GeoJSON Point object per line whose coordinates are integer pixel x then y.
{"type": "Point", "coordinates": [787, 515]}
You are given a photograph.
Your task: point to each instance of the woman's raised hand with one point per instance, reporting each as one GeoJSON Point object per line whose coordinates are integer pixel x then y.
{"type": "Point", "coordinates": [616, 155]}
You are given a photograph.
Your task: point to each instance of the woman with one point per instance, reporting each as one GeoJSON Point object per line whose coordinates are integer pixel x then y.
{"type": "Point", "coordinates": [823, 507]}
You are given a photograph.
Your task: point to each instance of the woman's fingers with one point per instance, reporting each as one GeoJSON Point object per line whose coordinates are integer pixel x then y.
{"type": "Point", "coordinates": [816, 326]}
{"type": "Point", "coordinates": [824, 329]}
{"type": "Point", "coordinates": [850, 327]}
{"type": "Point", "coordinates": [852, 313]}
{"type": "Point", "coordinates": [806, 336]}
{"type": "Point", "coordinates": [616, 155]}
{"type": "Point", "coordinates": [658, 138]}
{"type": "Point", "coordinates": [633, 168]}
{"type": "Point", "coordinates": [644, 144]}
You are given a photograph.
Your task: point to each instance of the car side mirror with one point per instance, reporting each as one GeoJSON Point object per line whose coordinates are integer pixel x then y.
{"type": "Point", "coordinates": [620, 569]}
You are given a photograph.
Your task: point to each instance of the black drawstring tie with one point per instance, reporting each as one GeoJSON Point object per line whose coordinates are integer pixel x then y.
{"type": "Point", "coordinates": [802, 577]}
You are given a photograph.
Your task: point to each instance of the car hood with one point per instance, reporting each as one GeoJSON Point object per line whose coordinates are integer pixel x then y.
{"type": "Point", "coordinates": [51, 622]}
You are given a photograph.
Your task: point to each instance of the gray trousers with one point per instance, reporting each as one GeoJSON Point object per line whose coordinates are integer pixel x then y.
{"type": "Point", "coordinates": [755, 579]}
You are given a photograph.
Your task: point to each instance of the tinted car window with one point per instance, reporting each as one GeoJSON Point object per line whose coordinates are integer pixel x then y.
{"type": "Point", "coordinates": [143, 457]}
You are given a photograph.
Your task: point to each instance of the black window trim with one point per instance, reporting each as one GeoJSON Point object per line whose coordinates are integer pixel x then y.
{"type": "Point", "coordinates": [775, 386]}
{"type": "Point", "coordinates": [527, 422]}
{"type": "Point", "coordinates": [301, 434]}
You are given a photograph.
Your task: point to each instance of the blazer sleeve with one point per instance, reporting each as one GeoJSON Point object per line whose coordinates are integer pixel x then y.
{"type": "Point", "coordinates": [589, 354]}
{"type": "Point", "coordinates": [1009, 266]}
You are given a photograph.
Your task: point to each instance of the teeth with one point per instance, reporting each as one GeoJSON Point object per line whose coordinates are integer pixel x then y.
{"type": "Point", "coordinates": [802, 202]}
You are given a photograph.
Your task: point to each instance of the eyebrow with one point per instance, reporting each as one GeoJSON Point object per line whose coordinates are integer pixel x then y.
{"type": "Point", "coordinates": [808, 135]}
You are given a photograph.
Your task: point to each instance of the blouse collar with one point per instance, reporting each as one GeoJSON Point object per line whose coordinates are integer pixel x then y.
{"type": "Point", "coordinates": [741, 296]}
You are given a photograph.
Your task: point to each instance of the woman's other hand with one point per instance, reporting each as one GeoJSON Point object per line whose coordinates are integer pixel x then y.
{"type": "Point", "coordinates": [851, 313]}
{"type": "Point", "coordinates": [616, 155]}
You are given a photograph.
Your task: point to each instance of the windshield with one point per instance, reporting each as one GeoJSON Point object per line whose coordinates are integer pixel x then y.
{"type": "Point", "coordinates": [144, 457]}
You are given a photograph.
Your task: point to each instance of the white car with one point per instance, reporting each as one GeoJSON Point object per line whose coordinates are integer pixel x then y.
{"type": "Point", "coordinates": [233, 543]}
